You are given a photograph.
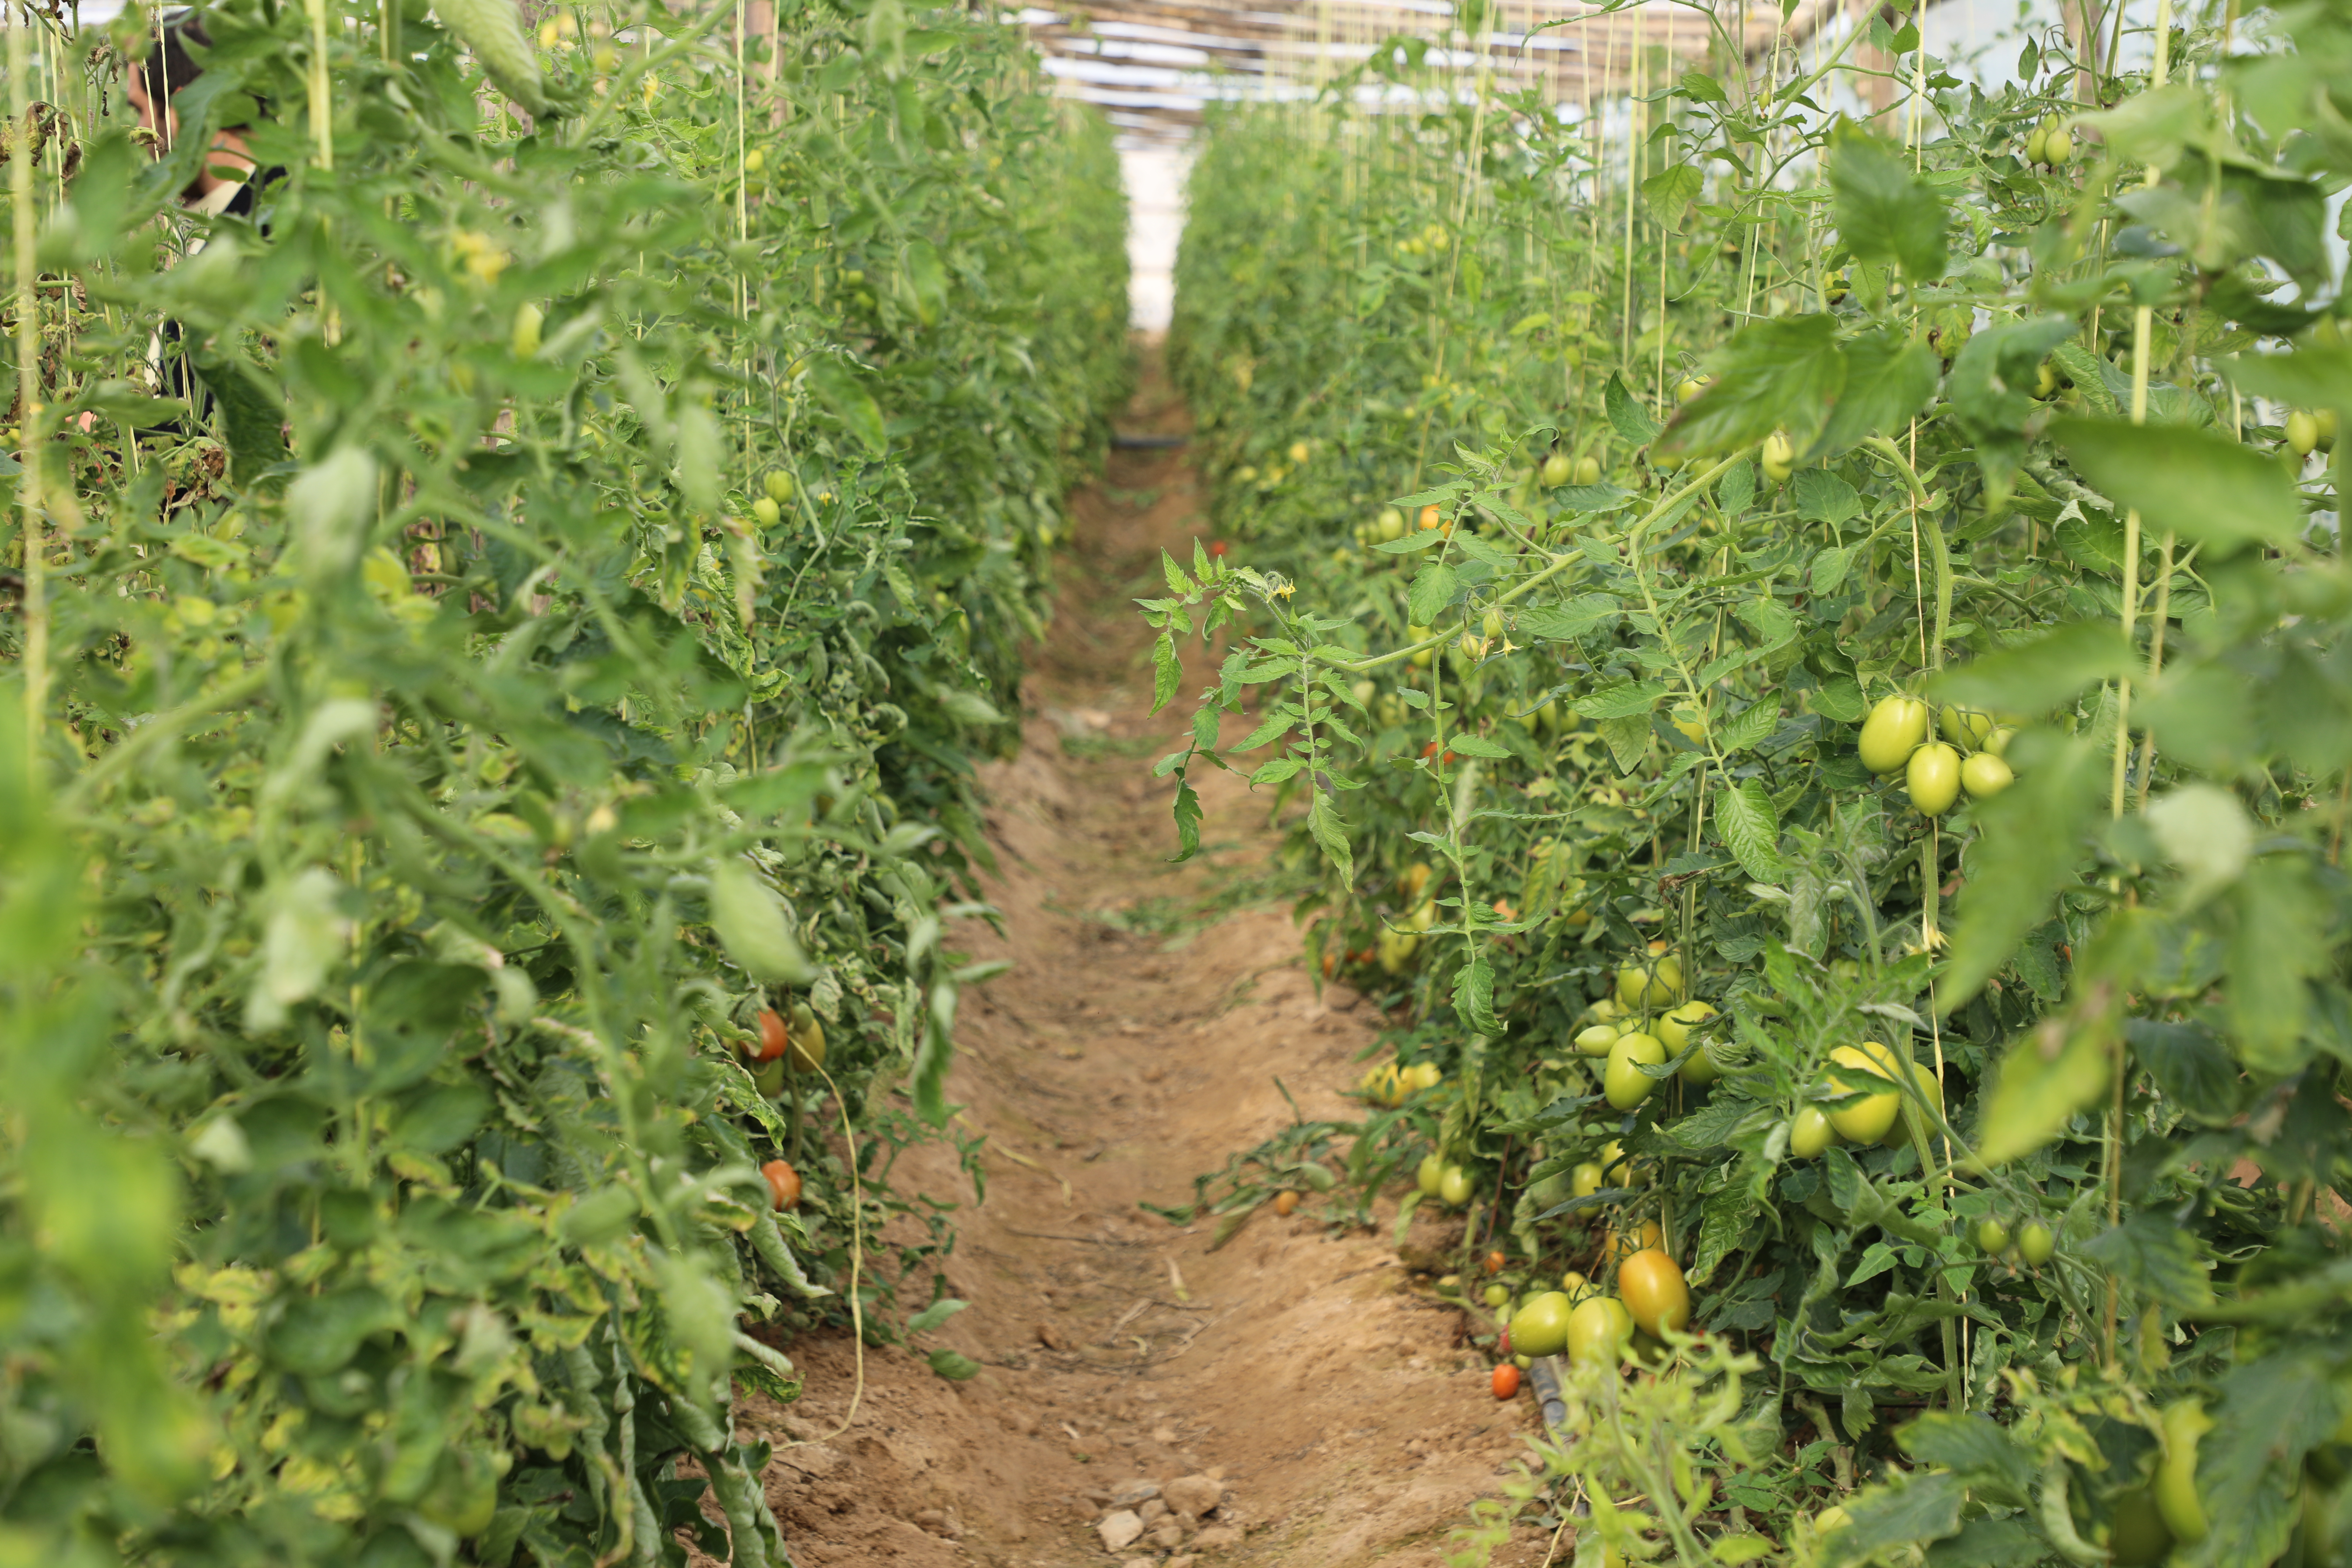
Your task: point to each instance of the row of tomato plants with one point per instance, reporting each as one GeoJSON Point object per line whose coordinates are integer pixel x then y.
{"type": "Point", "coordinates": [488, 755]}
{"type": "Point", "coordinates": [1809, 657]}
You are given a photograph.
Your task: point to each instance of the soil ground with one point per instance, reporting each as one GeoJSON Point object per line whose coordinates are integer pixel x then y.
{"type": "Point", "coordinates": [1134, 1045]}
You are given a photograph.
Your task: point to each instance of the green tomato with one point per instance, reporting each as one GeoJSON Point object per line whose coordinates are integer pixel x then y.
{"type": "Point", "coordinates": [1933, 774]}
{"type": "Point", "coordinates": [1992, 1235]}
{"type": "Point", "coordinates": [2139, 1537]}
{"type": "Point", "coordinates": [1810, 1133]}
{"type": "Point", "coordinates": [1895, 729]}
{"type": "Point", "coordinates": [1985, 775]}
{"type": "Point", "coordinates": [2036, 1244]}
{"type": "Point", "coordinates": [1430, 1176]}
{"type": "Point", "coordinates": [1454, 1187]}
{"type": "Point", "coordinates": [1540, 1325]}
{"type": "Point", "coordinates": [1626, 1085]}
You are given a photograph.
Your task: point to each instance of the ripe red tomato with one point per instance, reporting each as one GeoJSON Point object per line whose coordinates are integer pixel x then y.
{"type": "Point", "coordinates": [1431, 750]}
{"type": "Point", "coordinates": [1219, 547]}
{"type": "Point", "coordinates": [1502, 1343]}
{"type": "Point", "coordinates": [1506, 1381]}
{"type": "Point", "coordinates": [773, 1040]}
{"type": "Point", "coordinates": [783, 1183]}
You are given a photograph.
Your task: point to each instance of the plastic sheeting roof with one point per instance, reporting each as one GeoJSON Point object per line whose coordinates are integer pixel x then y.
{"type": "Point", "coordinates": [1155, 66]}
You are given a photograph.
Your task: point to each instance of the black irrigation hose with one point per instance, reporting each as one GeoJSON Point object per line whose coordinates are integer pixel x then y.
{"type": "Point", "coordinates": [1147, 443]}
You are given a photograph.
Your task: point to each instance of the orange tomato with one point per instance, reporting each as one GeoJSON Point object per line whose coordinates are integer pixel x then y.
{"type": "Point", "coordinates": [1286, 1204]}
{"type": "Point", "coordinates": [773, 1040]}
{"type": "Point", "coordinates": [1654, 1291]}
{"type": "Point", "coordinates": [1429, 515]}
{"type": "Point", "coordinates": [783, 1183]}
{"type": "Point", "coordinates": [1495, 1262]}
{"type": "Point", "coordinates": [1506, 1381]}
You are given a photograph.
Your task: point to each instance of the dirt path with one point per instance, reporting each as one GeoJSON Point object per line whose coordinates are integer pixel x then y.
{"type": "Point", "coordinates": [1127, 1051]}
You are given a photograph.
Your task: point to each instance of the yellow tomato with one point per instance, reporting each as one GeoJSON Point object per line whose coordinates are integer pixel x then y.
{"type": "Point", "coordinates": [1865, 1120]}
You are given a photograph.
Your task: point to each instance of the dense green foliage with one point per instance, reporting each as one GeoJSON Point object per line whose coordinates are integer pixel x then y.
{"type": "Point", "coordinates": [430, 747]}
{"type": "Point", "coordinates": [2000, 418]}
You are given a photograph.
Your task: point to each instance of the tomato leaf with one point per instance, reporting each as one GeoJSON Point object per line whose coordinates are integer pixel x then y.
{"type": "Point", "coordinates": [1751, 831]}
{"type": "Point", "coordinates": [1473, 994]}
{"type": "Point", "coordinates": [1324, 822]}
{"type": "Point", "coordinates": [2043, 674]}
{"type": "Point", "coordinates": [1885, 213]}
{"type": "Point", "coordinates": [1433, 589]}
{"type": "Point", "coordinates": [1631, 421]}
{"type": "Point", "coordinates": [2195, 483]}
{"type": "Point", "coordinates": [2029, 840]}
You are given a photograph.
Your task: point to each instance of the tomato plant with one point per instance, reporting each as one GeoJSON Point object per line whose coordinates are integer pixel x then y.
{"type": "Point", "coordinates": [496, 635]}
{"type": "Point", "coordinates": [1877, 576]}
